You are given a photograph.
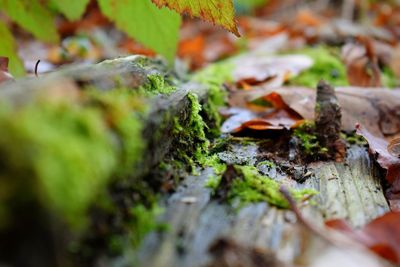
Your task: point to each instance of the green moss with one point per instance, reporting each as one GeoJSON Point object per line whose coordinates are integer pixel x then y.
{"type": "Point", "coordinates": [192, 144]}
{"type": "Point", "coordinates": [63, 154]}
{"type": "Point", "coordinates": [216, 74]}
{"type": "Point", "coordinates": [267, 163]}
{"type": "Point", "coordinates": [327, 66]}
{"type": "Point", "coordinates": [353, 139]}
{"type": "Point", "coordinates": [117, 106]}
{"type": "Point", "coordinates": [218, 167]}
{"type": "Point", "coordinates": [252, 187]}
{"type": "Point", "coordinates": [213, 77]}
{"type": "Point", "coordinates": [156, 85]}
{"type": "Point", "coordinates": [389, 78]}
{"type": "Point", "coordinates": [308, 139]}
{"type": "Point", "coordinates": [143, 222]}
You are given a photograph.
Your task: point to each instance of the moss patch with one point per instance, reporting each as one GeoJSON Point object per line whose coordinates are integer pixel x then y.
{"type": "Point", "coordinates": [251, 187]}
{"type": "Point", "coordinates": [327, 66]}
{"type": "Point", "coordinates": [192, 143]}
{"type": "Point", "coordinates": [308, 140]}
{"type": "Point", "coordinates": [158, 85]}
{"type": "Point", "coordinates": [63, 154]}
{"type": "Point", "coordinates": [213, 77]}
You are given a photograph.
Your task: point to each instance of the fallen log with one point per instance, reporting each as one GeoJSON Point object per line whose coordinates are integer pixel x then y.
{"type": "Point", "coordinates": [75, 148]}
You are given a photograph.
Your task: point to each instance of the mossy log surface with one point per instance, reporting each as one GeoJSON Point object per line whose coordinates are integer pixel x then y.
{"type": "Point", "coordinates": [194, 217]}
{"type": "Point", "coordinates": [34, 221]}
{"type": "Point", "coordinates": [350, 190]}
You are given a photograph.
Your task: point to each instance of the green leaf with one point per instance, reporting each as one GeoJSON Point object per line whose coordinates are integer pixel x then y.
{"type": "Point", "coordinates": [219, 12]}
{"type": "Point", "coordinates": [8, 48]}
{"type": "Point", "coordinates": [155, 28]}
{"type": "Point", "coordinates": [32, 16]}
{"type": "Point", "coordinates": [72, 9]}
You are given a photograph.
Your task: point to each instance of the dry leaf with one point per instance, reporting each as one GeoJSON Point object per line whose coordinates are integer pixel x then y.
{"type": "Point", "coordinates": [378, 146]}
{"type": "Point", "coordinates": [382, 235]}
{"type": "Point", "coordinates": [376, 110]}
{"type": "Point", "coordinates": [362, 64]}
{"type": "Point", "coordinates": [256, 117]}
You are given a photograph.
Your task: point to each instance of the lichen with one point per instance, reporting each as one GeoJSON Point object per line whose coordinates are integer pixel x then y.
{"type": "Point", "coordinates": [251, 187]}
{"type": "Point", "coordinates": [327, 66]}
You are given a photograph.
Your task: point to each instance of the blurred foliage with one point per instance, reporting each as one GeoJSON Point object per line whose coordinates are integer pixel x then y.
{"type": "Point", "coordinates": [155, 28]}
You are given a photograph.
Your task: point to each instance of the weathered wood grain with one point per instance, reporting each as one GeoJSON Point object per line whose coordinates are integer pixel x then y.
{"type": "Point", "coordinates": [349, 190]}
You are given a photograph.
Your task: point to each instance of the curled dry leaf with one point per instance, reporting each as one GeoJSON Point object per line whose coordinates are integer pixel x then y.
{"type": "Point", "coordinates": [379, 147]}
{"type": "Point", "coordinates": [279, 117]}
{"type": "Point", "coordinates": [4, 74]}
{"type": "Point", "coordinates": [382, 235]}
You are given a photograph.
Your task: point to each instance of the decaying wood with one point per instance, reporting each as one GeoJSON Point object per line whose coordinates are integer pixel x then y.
{"type": "Point", "coordinates": [328, 120]}
{"type": "Point", "coordinates": [157, 134]}
{"type": "Point", "coordinates": [349, 190]}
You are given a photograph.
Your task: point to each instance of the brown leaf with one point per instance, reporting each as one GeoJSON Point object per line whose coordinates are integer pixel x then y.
{"type": "Point", "coordinates": [394, 147]}
{"type": "Point", "coordinates": [279, 117]}
{"type": "Point", "coordinates": [378, 146]}
{"type": "Point", "coordinates": [4, 74]}
{"type": "Point", "coordinates": [362, 64]}
{"type": "Point", "coordinates": [376, 110]}
{"type": "Point", "coordinates": [382, 235]}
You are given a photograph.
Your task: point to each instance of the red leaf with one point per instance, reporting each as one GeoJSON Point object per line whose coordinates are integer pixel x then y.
{"type": "Point", "coordinates": [382, 235]}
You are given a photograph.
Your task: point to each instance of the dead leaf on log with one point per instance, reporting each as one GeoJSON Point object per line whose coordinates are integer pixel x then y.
{"type": "Point", "coordinates": [377, 110]}
{"type": "Point", "coordinates": [4, 74]}
{"type": "Point", "coordinates": [382, 235]}
{"type": "Point", "coordinates": [255, 117]}
{"type": "Point", "coordinates": [334, 249]}
{"type": "Point", "coordinates": [379, 147]}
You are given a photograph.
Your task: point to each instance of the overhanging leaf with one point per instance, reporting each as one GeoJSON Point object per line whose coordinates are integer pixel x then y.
{"type": "Point", "coordinates": [8, 48]}
{"type": "Point", "coordinates": [33, 16]}
{"type": "Point", "coordinates": [219, 12]}
{"type": "Point", "coordinates": [72, 9]}
{"type": "Point", "coordinates": [155, 28]}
